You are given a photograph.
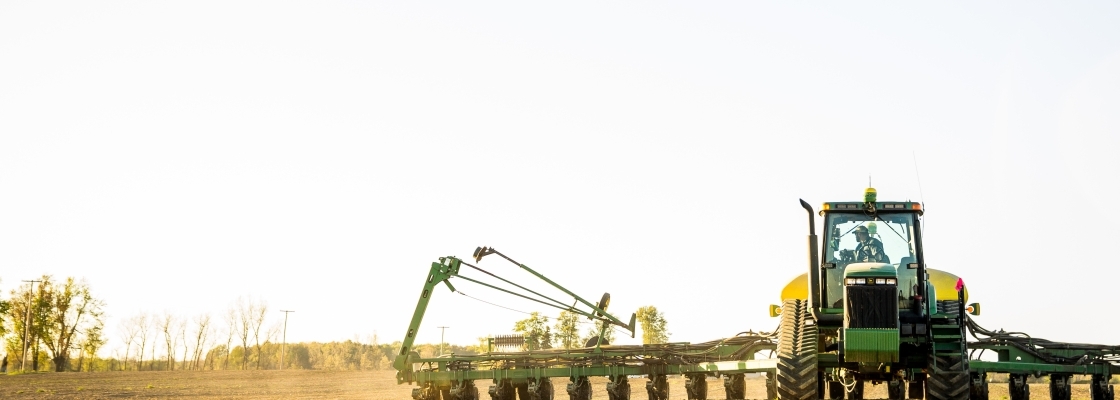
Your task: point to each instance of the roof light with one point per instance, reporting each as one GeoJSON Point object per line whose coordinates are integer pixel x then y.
{"type": "Point", "coordinates": [869, 195]}
{"type": "Point", "coordinates": [916, 206]}
{"type": "Point", "coordinates": [825, 206]}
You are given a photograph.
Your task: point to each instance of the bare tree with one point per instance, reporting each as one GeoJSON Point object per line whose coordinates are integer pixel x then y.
{"type": "Point", "coordinates": [273, 333]}
{"type": "Point", "coordinates": [202, 321]}
{"type": "Point", "coordinates": [128, 331]}
{"type": "Point", "coordinates": [257, 322]}
{"type": "Point", "coordinates": [143, 327]}
{"type": "Point", "coordinates": [231, 327]}
{"type": "Point", "coordinates": [245, 312]}
{"type": "Point", "coordinates": [152, 363]}
{"type": "Point", "coordinates": [167, 326]}
{"type": "Point", "coordinates": [182, 336]}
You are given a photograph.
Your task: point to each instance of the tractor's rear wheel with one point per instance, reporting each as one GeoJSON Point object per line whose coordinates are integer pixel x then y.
{"type": "Point", "coordinates": [797, 353]}
{"type": "Point", "coordinates": [948, 378]}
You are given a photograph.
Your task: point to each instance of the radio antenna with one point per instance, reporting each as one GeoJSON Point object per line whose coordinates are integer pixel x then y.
{"type": "Point", "coordinates": [914, 155]}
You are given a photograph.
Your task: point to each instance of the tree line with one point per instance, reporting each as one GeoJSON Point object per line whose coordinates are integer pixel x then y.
{"type": "Point", "coordinates": [59, 325]}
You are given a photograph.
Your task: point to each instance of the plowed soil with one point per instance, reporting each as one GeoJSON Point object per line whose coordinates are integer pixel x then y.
{"type": "Point", "coordinates": [299, 384]}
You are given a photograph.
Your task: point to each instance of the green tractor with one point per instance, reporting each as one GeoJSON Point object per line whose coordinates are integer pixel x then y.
{"type": "Point", "coordinates": [868, 311]}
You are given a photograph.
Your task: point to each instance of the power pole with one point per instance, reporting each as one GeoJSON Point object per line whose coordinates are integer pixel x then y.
{"type": "Point", "coordinates": [441, 329]}
{"type": "Point", "coordinates": [26, 321]}
{"type": "Point", "coordinates": [284, 347]}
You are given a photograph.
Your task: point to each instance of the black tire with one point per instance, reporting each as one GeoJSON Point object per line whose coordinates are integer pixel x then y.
{"type": "Point", "coordinates": [797, 353]}
{"type": "Point", "coordinates": [464, 390]}
{"type": "Point", "coordinates": [523, 392]}
{"type": "Point", "coordinates": [1018, 388]}
{"type": "Point", "coordinates": [579, 388]}
{"type": "Point", "coordinates": [735, 386]}
{"type": "Point", "coordinates": [978, 386]}
{"type": "Point", "coordinates": [618, 388]}
{"type": "Point", "coordinates": [1099, 389]}
{"type": "Point", "coordinates": [836, 390]}
{"type": "Point", "coordinates": [1059, 387]}
{"type": "Point", "coordinates": [540, 389]}
{"type": "Point", "coordinates": [548, 391]}
{"type": "Point", "coordinates": [771, 387]}
{"type": "Point", "coordinates": [948, 378]}
{"type": "Point", "coordinates": [658, 387]}
{"type": "Point", "coordinates": [917, 389]}
{"type": "Point", "coordinates": [503, 390]}
{"type": "Point", "coordinates": [696, 386]}
{"type": "Point", "coordinates": [896, 390]}
{"type": "Point", "coordinates": [594, 341]}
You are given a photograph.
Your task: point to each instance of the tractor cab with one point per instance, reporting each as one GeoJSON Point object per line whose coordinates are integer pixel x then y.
{"type": "Point", "coordinates": [870, 262]}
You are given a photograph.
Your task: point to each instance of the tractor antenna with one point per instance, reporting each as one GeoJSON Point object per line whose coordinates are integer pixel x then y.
{"type": "Point", "coordinates": [914, 155]}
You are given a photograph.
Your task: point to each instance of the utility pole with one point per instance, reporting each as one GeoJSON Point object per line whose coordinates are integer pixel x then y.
{"type": "Point", "coordinates": [26, 321]}
{"type": "Point", "coordinates": [284, 347]}
{"type": "Point", "coordinates": [441, 329]}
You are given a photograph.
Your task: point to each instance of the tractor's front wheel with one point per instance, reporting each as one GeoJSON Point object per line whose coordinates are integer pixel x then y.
{"type": "Point", "coordinates": [797, 353]}
{"type": "Point", "coordinates": [948, 378]}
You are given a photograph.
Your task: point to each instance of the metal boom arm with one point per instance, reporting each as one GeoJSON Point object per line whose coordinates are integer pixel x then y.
{"type": "Point", "coordinates": [440, 272]}
{"type": "Point", "coordinates": [448, 267]}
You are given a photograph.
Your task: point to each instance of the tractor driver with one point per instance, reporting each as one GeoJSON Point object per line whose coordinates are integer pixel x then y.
{"type": "Point", "coordinates": [869, 249]}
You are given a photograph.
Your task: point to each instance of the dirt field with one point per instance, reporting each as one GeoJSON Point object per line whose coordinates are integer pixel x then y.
{"type": "Point", "coordinates": [296, 384]}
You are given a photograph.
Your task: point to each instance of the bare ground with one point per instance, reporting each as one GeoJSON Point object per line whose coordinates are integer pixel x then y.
{"type": "Point", "coordinates": [301, 384]}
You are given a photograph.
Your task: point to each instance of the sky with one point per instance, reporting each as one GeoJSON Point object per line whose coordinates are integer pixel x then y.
{"type": "Point", "coordinates": [319, 156]}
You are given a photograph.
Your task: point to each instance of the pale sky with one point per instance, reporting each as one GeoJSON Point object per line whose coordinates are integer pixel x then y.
{"type": "Point", "coordinates": [320, 155]}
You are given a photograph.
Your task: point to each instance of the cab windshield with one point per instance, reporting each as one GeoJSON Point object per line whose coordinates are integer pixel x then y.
{"type": "Point", "coordinates": [861, 237]}
{"type": "Point", "coordinates": [848, 234]}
